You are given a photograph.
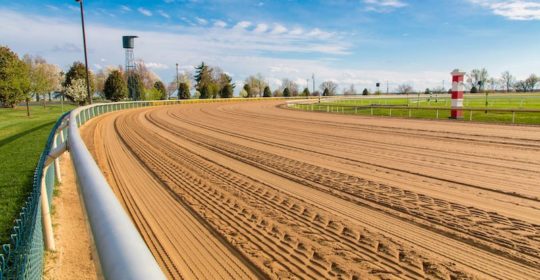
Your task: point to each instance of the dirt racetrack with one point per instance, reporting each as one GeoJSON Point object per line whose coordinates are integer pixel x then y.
{"type": "Point", "coordinates": [249, 190]}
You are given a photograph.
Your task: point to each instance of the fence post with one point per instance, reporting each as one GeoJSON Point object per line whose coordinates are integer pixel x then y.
{"type": "Point", "coordinates": [48, 236]}
{"type": "Point", "coordinates": [409, 113]}
{"type": "Point", "coordinates": [470, 115]}
{"type": "Point", "coordinates": [513, 116]}
{"type": "Point", "coordinates": [372, 111]}
{"type": "Point", "coordinates": [437, 117]}
{"type": "Point", "coordinates": [57, 161]}
{"type": "Point", "coordinates": [327, 108]}
{"type": "Point", "coordinates": [390, 112]}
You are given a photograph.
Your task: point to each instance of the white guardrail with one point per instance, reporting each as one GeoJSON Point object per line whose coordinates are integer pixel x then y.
{"type": "Point", "coordinates": [121, 250]}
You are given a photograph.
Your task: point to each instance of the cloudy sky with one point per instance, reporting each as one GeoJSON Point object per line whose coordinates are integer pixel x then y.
{"type": "Point", "coordinates": [350, 42]}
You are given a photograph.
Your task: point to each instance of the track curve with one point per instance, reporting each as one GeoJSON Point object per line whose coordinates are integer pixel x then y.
{"type": "Point", "coordinates": [249, 190]}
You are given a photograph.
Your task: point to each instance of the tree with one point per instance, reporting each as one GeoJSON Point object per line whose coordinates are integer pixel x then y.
{"type": "Point", "coordinates": [286, 92]}
{"type": "Point", "coordinates": [306, 92]}
{"type": "Point", "coordinates": [227, 91]}
{"type": "Point", "coordinates": [329, 87]}
{"type": "Point", "coordinates": [115, 87]}
{"type": "Point", "coordinates": [247, 89]}
{"type": "Point", "coordinates": [256, 84]}
{"type": "Point", "coordinates": [183, 91]}
{"type": "Point", "coordinates": [135, 87]}
{"type": "Point", "coordinates": [507, 80]}
{"type": "Point", "coordinates": [427, 91]}
{"type": "Point", "coordinates": [291, 85]}
{"type": "Point", "coordinates": [474, 89]}
{"type": "Point", "coordinates": [204, 92]}
{"type": "Point", "coordinates": [326, 92]}
{"type": "Point", "coordinates": [267, 92]}
{"type": "Point", "coordinates": [76, 91]}
{"type": "Point", "coordinates": [14, 78]}
{"type": "Point", "coordinates": [160, 87]}
{"type": "Point", "coordinates": [147, 76]}
{"type": "Point", "coordinates": [203, 77]}
{"type": "Point", "coordinates": [171, 88]}
{"type": "Point", "coordinates": [521, 86]}
{"type": "Point", "coordinates": [531, 82]}
{"type": "Point", "coordinates": [44, 78]}
{"type": "Point", "coordinates": [478, 77]}
{"type": "Point", "coordinates": [77, 71]}
{"type": "Point", "coordinates": [404, 89]}
{"type": "Point", "coordinates": [350, 91]}
{"type": "Point", "coordinates": [365, 91]}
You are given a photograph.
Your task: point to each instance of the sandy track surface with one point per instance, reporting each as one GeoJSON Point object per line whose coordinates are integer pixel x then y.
{"type": "Point", "coordinates": [250, 190]}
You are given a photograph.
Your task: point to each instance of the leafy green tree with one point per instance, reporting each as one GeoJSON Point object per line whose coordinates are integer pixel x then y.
{"type": "Point", "coordinates": [78, 71]}
{"type": "Point", "coordinates": [204, 92]}
{"type": "Point", "coordinates": [267, 92]}
{"type": "Point", "coordinates": [135, 87]}
{"type": "Point", "coordinates": [365, 91]}
{"type": "Point", "coordinates": [427, 91]}
{"type": "Point", "coordinates": [203, 76]}
{"type": "Point", "coordinates": [160, 87]}
{"type": "Point", "coordinates": [247, 88]}
{"type": "Point", "coordinates": [474, 89]}
{"type": "Point", "coordinates": [14, 80]}
{"type": "Point", "coordinates": [306, 92]}
{"type": "Point", "coordinates": [326, 92]}
{"type": "Point", "coordinates": [115, 87]}
{"type": "Point", "coordinates": [286, 92]}
{"type": "Point", "coordinates": [227, 91]}
{"type": "Point", "coordinates": [183, 91]}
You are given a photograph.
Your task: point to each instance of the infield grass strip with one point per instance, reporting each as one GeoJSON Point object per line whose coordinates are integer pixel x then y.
{"type": "Point", "coordinates": [22, 140]}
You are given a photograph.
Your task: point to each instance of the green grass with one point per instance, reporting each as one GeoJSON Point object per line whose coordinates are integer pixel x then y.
{"type": "Point", "coordinates": [22, 139]}
{"type": "Point", "coordinates": [498, 101]}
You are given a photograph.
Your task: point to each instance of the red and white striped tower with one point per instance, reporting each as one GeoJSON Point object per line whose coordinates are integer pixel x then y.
{"type": "Point", "coordinates": [457, 94]}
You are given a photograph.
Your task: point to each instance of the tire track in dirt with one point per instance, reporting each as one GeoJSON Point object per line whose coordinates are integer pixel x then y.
{"type": "Point", "coordinates": [491, 227]}
{"type": "Point", "coordinates": [295, 216]}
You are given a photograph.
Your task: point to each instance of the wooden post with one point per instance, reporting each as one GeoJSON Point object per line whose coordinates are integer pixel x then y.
{"type": "Point", "coordinates": [48, 236]}
{"type": "Point", "coordinates": [57, 162]}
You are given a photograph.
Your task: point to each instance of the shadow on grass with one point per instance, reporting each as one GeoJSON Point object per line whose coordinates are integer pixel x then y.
{"type": "Point", "coordinates": [23, 133]}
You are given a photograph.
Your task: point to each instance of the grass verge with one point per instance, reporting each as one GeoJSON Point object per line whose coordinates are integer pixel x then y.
{"type": "Point", "coordinates": [22, 140]}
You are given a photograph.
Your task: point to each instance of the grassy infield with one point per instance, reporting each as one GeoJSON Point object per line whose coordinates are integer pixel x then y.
{"type": "Point", "coordinates": [22, 140]}
{"type": "Point", "coordinates": [494, 102]}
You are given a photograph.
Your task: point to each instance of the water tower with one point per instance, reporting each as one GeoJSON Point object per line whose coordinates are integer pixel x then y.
{"type": "Point", "coordinates": [128, 43]}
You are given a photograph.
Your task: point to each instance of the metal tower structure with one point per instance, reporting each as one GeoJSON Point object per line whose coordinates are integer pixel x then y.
{"type": "Point", "coordinates": [128, 43]}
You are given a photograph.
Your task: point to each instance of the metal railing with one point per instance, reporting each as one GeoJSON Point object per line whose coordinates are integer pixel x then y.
{"type": "Point", "coordinates": [353, 109]}
{"type": "Point", "coordinates": [121, 251]}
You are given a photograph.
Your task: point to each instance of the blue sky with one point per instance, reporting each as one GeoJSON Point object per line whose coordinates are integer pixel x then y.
{"type": "Point", "coordinates": [350, 42]}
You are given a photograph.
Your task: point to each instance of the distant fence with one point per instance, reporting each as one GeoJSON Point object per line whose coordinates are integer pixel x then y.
{"type": "Point", "coordinates": [122, 253]}
{"type": "Point", "coordinates": [404, 111]}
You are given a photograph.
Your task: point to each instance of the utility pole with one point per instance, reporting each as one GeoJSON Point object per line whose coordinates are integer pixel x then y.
{"type": "Point", "coordinates": [85, 53]}
{"type": "Point", "coordinates": [307, 86]}
{"type": "Point", "coordinates": [177, 83]}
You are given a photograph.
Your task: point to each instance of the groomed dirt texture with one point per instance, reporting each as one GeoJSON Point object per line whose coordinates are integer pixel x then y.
{"type": "Point", "coordinates": [250, 190]}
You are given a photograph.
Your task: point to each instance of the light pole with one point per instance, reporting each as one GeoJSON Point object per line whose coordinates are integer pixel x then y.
{"type": "Point", "coordinates": [85, 53]}
{"type": "Point", "coordinates": [177, 83]}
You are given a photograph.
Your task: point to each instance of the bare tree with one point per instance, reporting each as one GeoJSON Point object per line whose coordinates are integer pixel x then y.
{"type": "Point", "coordinates": [507, 80]}
{"type": "Point", "coordinates": [148, 77]}
{"type": "Point", "coordinates": [330, 86]}
{"type": "Point", "coordinates": [256, 84]}
{"type": "Point", "coordinates": [531, 82]}
{"type": "Point", "coordinates": [404, 89]}
{"type": "Point", "coordinates": [350, 91]}
{"type": "Point", "coordinates": [478, 77]}
{"type": "Point", "coordinates": [520, 86]}
{"type": "Point", "coordinates": [291, 85]}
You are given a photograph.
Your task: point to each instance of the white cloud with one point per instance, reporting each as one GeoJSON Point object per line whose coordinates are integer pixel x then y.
{"type": "Point", "coordinates": [144, 12]}
{"type": "Point", "coordinates": [201, 21]}
{"type": "Point", "coordinates": [383, 6]}
{"type": "Point", "coordinates": [156, 65]}
{"type": "Point", "coordinates": [220, 24]}
{"type": "Point", "coordinates": [163, 14]}
{"type": "Point", "coordinates": [52, 7]}
{"type": "Point", "coordinates": [297, 31]}
{"type": "Point", "coordinates": [261, 28]}
{"type": "Point", "coordinates": [512, 9]}
{"type": "Point", "coordinates": [279, 29]}
{"type": "Point", "coordinates": [242, 25]}
{"type": "Point", "coordinates": [125, 8]}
